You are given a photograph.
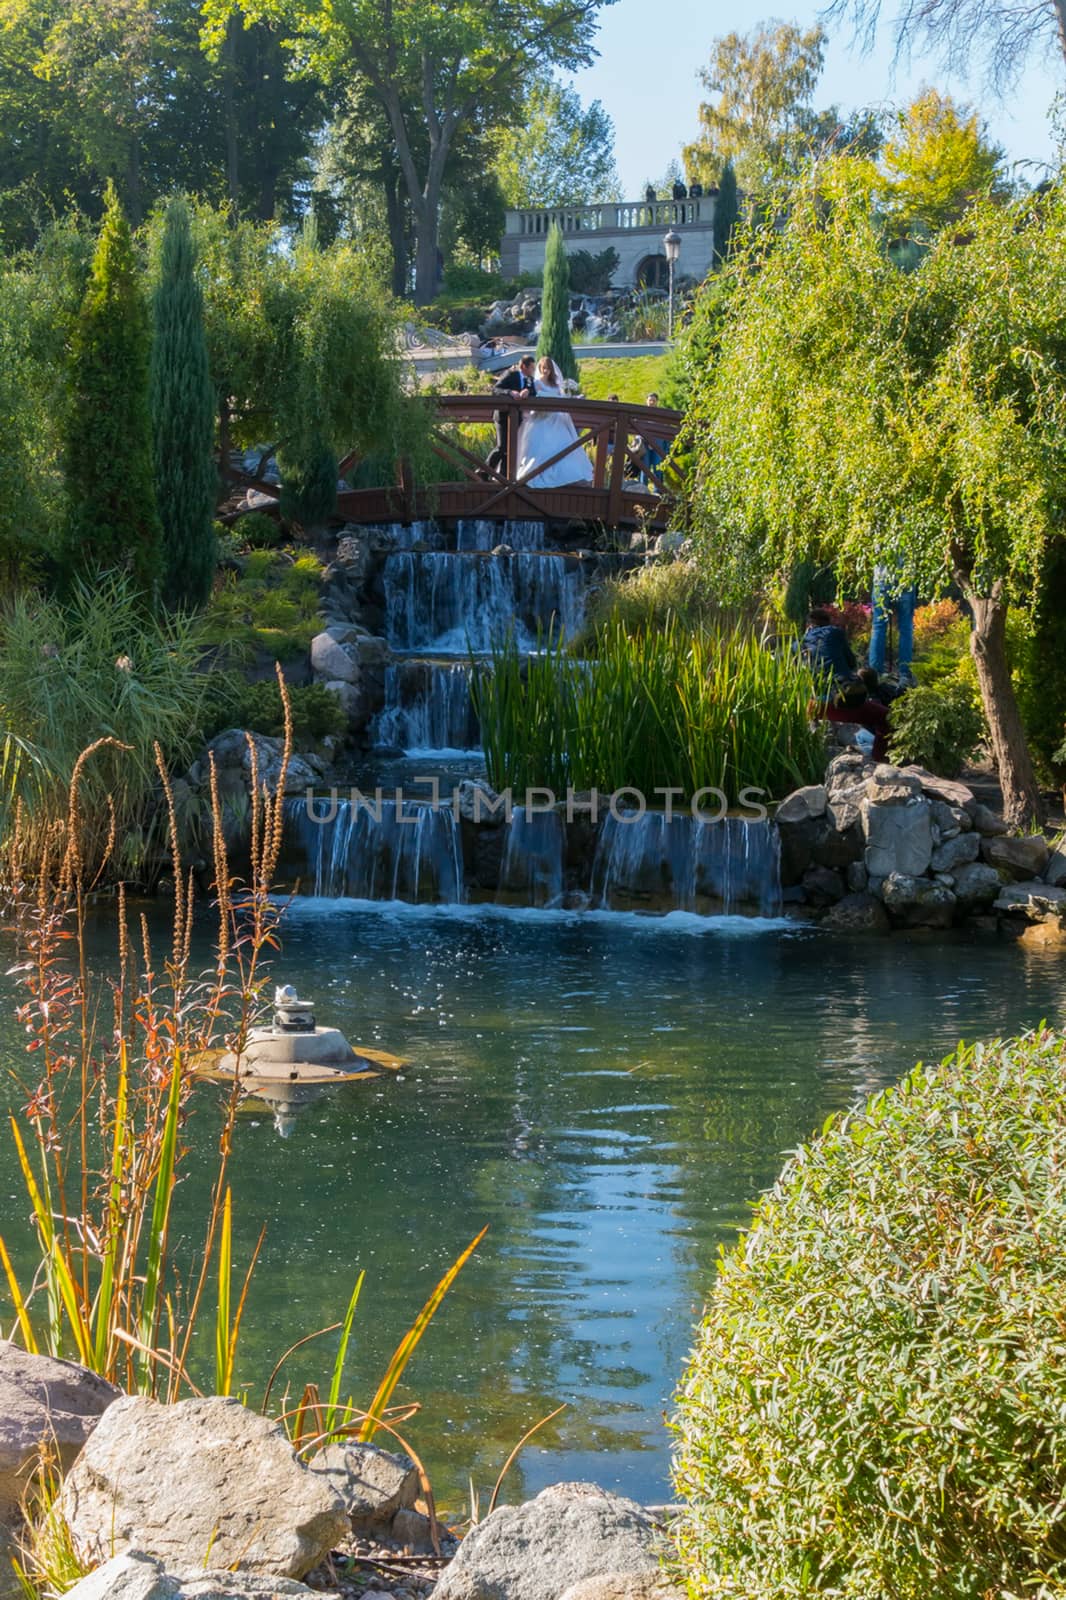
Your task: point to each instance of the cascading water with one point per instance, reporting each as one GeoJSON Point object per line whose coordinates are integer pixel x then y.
{"type": "Point", "coordinates": [385, 851]}
{"type": "Point", "coordinates": [427, 708]}
{"type": "Point", "coordinates": [474, 535]}
{"type": "Point", "coordinates": [532, 870]}
{"type": "Point", "coordinates": [451, 604]}
{"type": "Point", "coordinates": [686, 862]}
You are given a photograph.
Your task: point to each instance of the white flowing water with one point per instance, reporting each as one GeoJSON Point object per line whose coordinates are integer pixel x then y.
{"type": "Point", "coordinates": [380, 851]}
{"type": "Point", "coordinates": [451, 604]}
{"type": "Point", "coordinates": [427, 709]}
{"type": "Point", "coordinates": [532, 869]}
{"type": "Point", "coordinates": [687, 862]}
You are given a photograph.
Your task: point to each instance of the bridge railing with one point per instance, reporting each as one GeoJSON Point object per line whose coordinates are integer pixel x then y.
{"type": "Point", "coordinates": [616, 435]}
{"type": "Point", "coordinates": [612, 217]}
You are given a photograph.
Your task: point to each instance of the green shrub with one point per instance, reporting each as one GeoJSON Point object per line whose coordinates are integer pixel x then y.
{"type": "Point", "coordinates": [259, 530]}
{"type": "Point", "coordinates": [270, 608]}
{"type": "Point", "coordinates": [650, 597]}
{"type": "Point", "coordinates": [939, 728]}
{"type": "Point", "coordinates": [647, 318]}
{"type": "Point", "coordinates": [466, 281]}
{"type": "Point", "coordinates": [591, 273]}
{"type": "Point", "coordinates": [316, 713]}
{"type": "Point", "coordinates": [874, 1409]}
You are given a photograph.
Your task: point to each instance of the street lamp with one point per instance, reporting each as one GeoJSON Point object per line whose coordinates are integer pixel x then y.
{"type": "Point", "coordinates": [672, 246]}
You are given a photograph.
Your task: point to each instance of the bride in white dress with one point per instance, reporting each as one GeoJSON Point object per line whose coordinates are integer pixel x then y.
{"type": "Point", "coordinates": [544, 433]}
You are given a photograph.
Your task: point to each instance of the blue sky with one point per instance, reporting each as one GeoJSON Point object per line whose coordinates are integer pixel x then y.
{"type": "Point", "coordinates": [650, 51]}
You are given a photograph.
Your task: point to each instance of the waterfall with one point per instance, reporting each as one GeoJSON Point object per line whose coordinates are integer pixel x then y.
{"type": "Point", "coordinates": [387, 852]}
{"type": "Point", "coordinates": [484, 535]}
{"type": "Point", "coordinates": [427, 708]}
{"type": "Point", "coordinates": [449, 604]}
{"type": "Point", "coordinates": [532, 870]}
{"type": "Point", "coordinates": [687, 863]}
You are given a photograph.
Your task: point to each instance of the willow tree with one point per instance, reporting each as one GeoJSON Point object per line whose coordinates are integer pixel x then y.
{"type": "Point", "coordinates": [859, 414]}
{"type": "Point", "coordinates": [183, 419]}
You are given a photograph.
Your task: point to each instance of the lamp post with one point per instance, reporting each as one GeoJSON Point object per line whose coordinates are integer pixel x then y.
{"type": "Point", "coordinates": [672, 246]}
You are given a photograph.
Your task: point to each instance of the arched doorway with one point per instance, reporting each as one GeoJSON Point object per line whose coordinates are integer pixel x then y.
{"type": "Point", "coordinates": [653, 273]}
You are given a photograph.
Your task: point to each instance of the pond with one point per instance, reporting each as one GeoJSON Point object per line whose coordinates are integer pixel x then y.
{"type": "Point", "coordinates": [608, 1094]}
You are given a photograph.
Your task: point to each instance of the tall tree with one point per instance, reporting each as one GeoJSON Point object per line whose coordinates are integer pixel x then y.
{"type": "Point", "coordinates": [1001, 34]}
{"type": "Point", "coordinates": [112, 522]}
{"type": "Point", "coordinates": [183, 419]}
{"type": "Point", "coordinates": [554, 338]}
{"type": "Point", "coordinates": [726, 212]}
{"type": "Point", "coordinates": [560, 154]}
{"type": "Point", "coordinates": [860, 414]}
{"type": "Point", "coordinates": [763, 83]}
{"type": "Point", "coordinates": [937, 164]}
{"type": "Point", "coordinates": [433, 69]}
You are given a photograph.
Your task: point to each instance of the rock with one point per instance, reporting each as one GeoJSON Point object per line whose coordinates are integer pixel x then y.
{"type": "Point", "coordinates": [348, 695]}
{"type": "Point", "coordinates": [976, 884]}
{"type": "Point", "coordinates": [43, 1403]}
{"type": "Point", "coordinates": [845, 771]}
{"type": "Point", "coordinates": [858, 878]}
{"type": "Point", "coordinates": [957, 851]}
{"type": "Point", "coordinates": [135, 1576]}
{"type": "Point", "coordinates": [333, 660]}
{"type": "Point", "coordinates": [233, 762]}
{"type": "Point", "coordinates": [1020, 859]}
{"type": "Point", "coordinates": [1036, 899]}
{"type": "Point", "coordinates": [987, 822]}
{"type": "Point", "coordinates": [802, 804]}
{"type": "Point", "coordinates": [373, 1483]}
{"type": "Point", "coordinates": [538, 1550]}
{"type": "Point", "coordinates": [918, 902]}
{"type": "Point", "coordinates": [887, 785]}
{"type": "Point", "coordinates": [412, 1531]}
{"type": "Point", "coordinates": [205, 1478]}
{"type": "Point", "coordinates": [1055, 871]}
{"type": "Point", "coordinates": [624, 1586]}
{"type": "Point", "coordinates": [898, 837]}
{"type": "Point", "coordinates": [857, 913]}
{"type": "Point", "coordinates": [477, 802]}
{"type": "Point", "coordinates": [949, 819]}
{"type": "Point", "coordinates": [822, 886]}
{"type": "Point", "coordinates": [948, 790]}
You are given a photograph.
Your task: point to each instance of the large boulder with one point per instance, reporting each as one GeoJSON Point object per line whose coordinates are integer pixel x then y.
{"type": "Point", "coordinates": [205, 1479]}
{"type": "Point", "coordinates": [802, 805]}
{"type": "Point", "coordinates": [537, 1551]}
{"type": "Point", "coordinates": [350, 656]}
{"type": "Point", "coordinates": [948, 790]}
{"type": "Point", "coordinates": [899, 837]}
{"type": "Point", "coordinates": [232, 755]}
{"type": "Point", "coordinates": [374, 1484]}
{"type": "Point", "coordinates": [136, 1576]}
{"type": "Point", "coordinates": [44, 1405]}
{"type": "Point", "coordinates": [1019, 858]}
{"type": "Point", "coordinates": [1055, 871]}
{"type": "Point", "coordinates": [1036, 900]}
{"type": "Point", "coordinates": [918, 902]}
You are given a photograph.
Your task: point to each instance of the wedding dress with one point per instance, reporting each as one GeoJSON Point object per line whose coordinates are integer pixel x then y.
{"type": "Point", "coordinates": [542, 435]}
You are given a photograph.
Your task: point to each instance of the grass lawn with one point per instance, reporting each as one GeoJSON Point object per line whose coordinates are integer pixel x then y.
{"type": "Point", "coordinates": [631, 380]}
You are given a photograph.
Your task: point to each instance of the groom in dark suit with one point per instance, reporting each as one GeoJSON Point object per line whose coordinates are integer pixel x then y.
{"type": "Point", "coordinates": [518, 381]}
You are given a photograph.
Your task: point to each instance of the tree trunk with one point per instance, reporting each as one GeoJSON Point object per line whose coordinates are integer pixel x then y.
{"type": "Point", "coordinates": [427, 224]}
{"type": "Point", "coordinates": [1022, 804]}
{"type": "Point", "coordinates": [229, 102]}
{"type": "Point", "coordinates": [1060, 21]}
{"type": "Point", "coordinates": [397, 233]}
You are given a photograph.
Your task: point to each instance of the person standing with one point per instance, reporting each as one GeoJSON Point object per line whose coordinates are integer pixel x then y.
{"type": "Point", "coordinates": [890, 595]}
{"type": "Point", "coordinates": [518, 381]}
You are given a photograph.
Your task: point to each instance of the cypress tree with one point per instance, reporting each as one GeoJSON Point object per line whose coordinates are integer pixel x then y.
{"type": "Point", "coordinates": [554, 338]}
{"type": "Point", "coordinates": [183, 419]}
{"type": "Point", "coordinates": [112, 522]}
{"type": "Point", "coordinates": [726, 212]}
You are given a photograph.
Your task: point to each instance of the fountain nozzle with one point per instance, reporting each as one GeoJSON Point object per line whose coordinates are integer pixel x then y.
{"type": "Point", "coordinates": [292, 1015]}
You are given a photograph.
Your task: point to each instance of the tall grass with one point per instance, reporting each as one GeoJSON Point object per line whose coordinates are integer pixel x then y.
{"type": "Point", "coordinates": [98, 668]}
{"type": "Point", "coordinates": [660, 709]}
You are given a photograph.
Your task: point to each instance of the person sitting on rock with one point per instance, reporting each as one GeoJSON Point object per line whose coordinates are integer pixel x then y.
{"type": "Point", "coordinates": [845, 698]}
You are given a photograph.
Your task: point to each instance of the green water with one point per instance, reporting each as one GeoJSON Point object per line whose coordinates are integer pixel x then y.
{"type": "Point", "coordinates": [608, 1095]}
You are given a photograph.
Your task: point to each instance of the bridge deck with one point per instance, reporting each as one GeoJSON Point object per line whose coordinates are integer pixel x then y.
{"type": "Point", "coordinates": [614, 432]}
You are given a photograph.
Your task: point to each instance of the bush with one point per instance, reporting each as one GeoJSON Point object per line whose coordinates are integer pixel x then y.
{"type": "Point", "coordinates": [939, 728]}
{"type": "Point", "coordinates": [592, 273]}
{"type": "Point", "coordinates": [650, 597]}
{"type": "Point", "coordinates": [874, 1407]}
{"type": "Point", "coordinates": [270, 608]}
{"type": "Point", "coordinates": [467, 281]}
{"type": "Point", "coordinates": [316, 714]}
{"type": "Point", "coordinates": [258, 530]}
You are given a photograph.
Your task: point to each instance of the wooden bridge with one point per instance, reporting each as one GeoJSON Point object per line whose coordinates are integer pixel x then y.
{"type": "Point", "coordinates": [615, 433]}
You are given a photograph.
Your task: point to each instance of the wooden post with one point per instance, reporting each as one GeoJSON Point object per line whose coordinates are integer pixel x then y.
{"type": "Point", "coordinates": [618, 470]}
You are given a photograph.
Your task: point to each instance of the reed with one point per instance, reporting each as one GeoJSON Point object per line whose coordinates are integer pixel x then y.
{"type": "Point", "coordinates": [658, 709]}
